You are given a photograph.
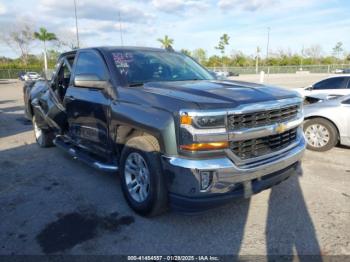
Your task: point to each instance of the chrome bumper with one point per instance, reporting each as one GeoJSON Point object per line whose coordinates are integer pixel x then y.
{"type": "Point", "coordinates": [184, 174]}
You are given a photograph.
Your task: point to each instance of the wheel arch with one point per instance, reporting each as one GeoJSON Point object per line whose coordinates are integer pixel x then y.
{"type": "Point", "coordinates": [124, 133]}
{"type": "Point", "coordinates": [327, 119]}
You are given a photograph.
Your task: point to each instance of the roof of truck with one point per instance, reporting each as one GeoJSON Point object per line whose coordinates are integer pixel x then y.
{"type": "Point", "coordinates": [110, 48]}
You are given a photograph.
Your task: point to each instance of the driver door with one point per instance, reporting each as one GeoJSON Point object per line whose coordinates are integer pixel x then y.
{"type": "Point", "coordinates": [49, 104]}
{"type": "Point", "coordinates": [88, 107]}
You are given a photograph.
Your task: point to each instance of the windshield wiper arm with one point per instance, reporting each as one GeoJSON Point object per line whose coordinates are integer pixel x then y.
{"type": "Point", "coordinates": [136, 84]}
{"type": "Point", "coordinates": [191, 79]}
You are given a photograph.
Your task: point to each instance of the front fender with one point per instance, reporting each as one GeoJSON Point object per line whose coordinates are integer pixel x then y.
{"type": "Point", "coordinates": [126, 117]}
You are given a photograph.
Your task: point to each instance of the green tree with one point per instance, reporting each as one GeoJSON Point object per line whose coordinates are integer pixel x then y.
{"type": "Point", "coordinates": [44, 36]}
{"type": "Point", "coordinates": [338, 49]}
{"type": "Point", "coordinates": [223, 42]}
{"type": "Point", "coordinates": [214, 61]}
{"type": "Point", "coordinates": [200, 55]}
{"type": "Point", "coordinates": [347, 58]}
{"type": "Point", "coordinates": [166, 42]}
{"type": "Point", "coordinates": [186, 52]}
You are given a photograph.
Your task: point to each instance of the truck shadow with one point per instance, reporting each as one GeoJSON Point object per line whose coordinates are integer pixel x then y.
{"type": "Point", "coordinates": [289, 227]}
{"type": "Point", "coordinates": [12, 121]}
{"type": "Point", "coordinates": [288, 231]}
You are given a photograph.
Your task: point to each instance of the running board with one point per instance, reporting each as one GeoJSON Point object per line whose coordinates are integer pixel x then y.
{"type": "Point", "coordinates": [79, 154]}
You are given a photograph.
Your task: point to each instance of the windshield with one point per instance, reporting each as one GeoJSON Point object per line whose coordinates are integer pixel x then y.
{"type": "Point", "coordinates": [138, 67]}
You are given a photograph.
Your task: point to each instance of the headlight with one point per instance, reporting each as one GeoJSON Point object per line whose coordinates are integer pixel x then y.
{"type": "Point", "coordinates": [203, 121]}
{"type": "Point", "coordinates": [203, 131]}
{"type": "Point", "coordinates": [209, 121]}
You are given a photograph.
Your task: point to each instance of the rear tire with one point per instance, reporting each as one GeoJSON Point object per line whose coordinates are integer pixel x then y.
{"type": "Point", "coordinates": [142, 180]}
{"type": "Point", "coordinates": [321, 135]}
{"type": "Point", "coordinates": [44, 137]}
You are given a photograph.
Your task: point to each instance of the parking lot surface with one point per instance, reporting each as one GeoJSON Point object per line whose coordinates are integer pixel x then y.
{"type": "Point", "coordinates": [50, 203]}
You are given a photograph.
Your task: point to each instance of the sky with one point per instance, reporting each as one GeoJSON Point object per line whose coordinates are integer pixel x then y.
{"type": "Point", "coordinates": [192, 24]}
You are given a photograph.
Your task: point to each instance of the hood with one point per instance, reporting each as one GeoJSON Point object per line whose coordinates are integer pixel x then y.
{"type": "Point", "coordinates": [218, 94]}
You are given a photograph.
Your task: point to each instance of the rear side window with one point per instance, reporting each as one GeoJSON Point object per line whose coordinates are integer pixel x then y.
{"type": "Point", "coordinates": [90, 63]}
{"type": "Point", "coordinates": [332, 83]}
{"type": "Point", "coordinates": [346, 102]}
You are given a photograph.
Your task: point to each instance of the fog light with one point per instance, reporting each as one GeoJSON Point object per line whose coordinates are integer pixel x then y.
{"type": "Point", "coordinates": [206, 179]}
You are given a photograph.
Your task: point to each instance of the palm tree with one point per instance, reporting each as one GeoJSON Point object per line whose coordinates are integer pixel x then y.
{"type": "Point", "coordinates": [224, 41]}
{"type": "Point", "coordinates": [44, 36]}
{"type": "Point", "coordinates": [166, 42]}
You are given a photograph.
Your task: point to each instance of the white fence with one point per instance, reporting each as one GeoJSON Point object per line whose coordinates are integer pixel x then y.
{"type": "Point", "coordinates": [282, 69]}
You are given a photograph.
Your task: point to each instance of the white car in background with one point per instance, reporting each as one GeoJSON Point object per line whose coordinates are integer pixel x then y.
{"type": "Point", "coordinates": [30, 76]}
{"type": "Point", "coordinates": [330, 87]}
{"type": "Point", "coordinates": [327, 123]}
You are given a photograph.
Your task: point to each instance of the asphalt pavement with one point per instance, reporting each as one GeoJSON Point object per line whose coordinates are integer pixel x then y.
{"type": "Point", "coordinates": [52, 204]}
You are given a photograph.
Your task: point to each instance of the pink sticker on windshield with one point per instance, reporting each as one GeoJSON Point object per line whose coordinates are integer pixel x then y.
{"type": "Point", "coordinates": [122, 61]}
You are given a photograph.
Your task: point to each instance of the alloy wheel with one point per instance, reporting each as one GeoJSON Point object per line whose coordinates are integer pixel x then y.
{"type": "Point", "coordinates": [137, 177]}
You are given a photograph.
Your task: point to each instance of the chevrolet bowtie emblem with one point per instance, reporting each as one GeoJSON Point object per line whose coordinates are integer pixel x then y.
{"type": "Point", "coordinates": [280, 128]}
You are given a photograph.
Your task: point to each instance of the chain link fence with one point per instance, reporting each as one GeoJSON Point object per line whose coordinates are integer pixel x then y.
{"type": "Point", "coordinates": [282, 69]}
{"type": "Point", "coordinates": [15, 73]}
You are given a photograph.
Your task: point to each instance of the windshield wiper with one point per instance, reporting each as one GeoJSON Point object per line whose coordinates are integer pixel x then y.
{"type": "Point", "coordinates": [136, 84]}
{"type": "Point", "coordinates": [193, 79]}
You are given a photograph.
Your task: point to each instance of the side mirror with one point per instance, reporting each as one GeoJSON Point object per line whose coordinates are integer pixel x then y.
{"type": "Point", "coordinates": [309, 88]}
{"type": "Point", "coordinates": [89, 81]}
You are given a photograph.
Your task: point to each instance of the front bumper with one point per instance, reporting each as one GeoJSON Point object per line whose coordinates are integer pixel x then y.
{"type": "Point", "coordinates": [230, 180]}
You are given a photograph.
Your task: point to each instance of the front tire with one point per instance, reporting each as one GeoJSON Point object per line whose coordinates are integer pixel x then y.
{"type": "Point", "coordinates": [44, 137]}
{"type": "Point", "coordinates": [321, 135]}
{"type": "Point", "coordinates": [142, 180]}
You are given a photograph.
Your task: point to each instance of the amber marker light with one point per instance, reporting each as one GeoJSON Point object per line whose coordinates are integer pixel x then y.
{"type": "Point", "coordinates": [205, 146]}
{"type": "Point", "coordinates": [185, 120]}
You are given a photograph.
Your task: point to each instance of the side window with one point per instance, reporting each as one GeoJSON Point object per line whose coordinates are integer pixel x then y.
{"type": "Point", "coordinates": [346, 102]}
{"type": "Point", "coordinates": [66, 72]}
{"type": "Point", "coordinates": [90, 63]}
{"type": "Point", "coordinates": [331, 83]}
{"type": "Point", "coordinates": [61, 80]}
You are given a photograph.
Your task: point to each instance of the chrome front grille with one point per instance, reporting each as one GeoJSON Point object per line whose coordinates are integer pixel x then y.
{"type": "Point", "coordinates": [251, 148]}
{"type": "Point", "coordinates": [262, 118]}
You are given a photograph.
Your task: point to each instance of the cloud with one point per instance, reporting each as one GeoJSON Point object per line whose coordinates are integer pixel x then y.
{"type": "Point", "coordinates": [247, 5]}
{"type": "Point", "coordinates": [192, 23]}
{"type": "Point", "coordinates": [107, 10]}
{"type": "Point", "coordinates": [257, 5]}
{"type": "Point", "coordinates": [176, 6]}
{"type": "Point", "coordinates": [3, 9]}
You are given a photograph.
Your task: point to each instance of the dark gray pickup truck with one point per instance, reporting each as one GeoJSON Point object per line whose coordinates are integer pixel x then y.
{"type": "Point", "coordinates": [178, 136]}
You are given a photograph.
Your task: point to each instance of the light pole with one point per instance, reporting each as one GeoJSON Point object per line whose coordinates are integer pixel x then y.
{"type": "Point", "coordinates": [76, 22]}
{"type": "Point", "coordinates": [257, 59]}
{"type": "Point", "coordinates": [120, 29]}
{"type": "Point", "coordinates": [268, 42]}
{"type": "Point", "coordinates": [301, 59]}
